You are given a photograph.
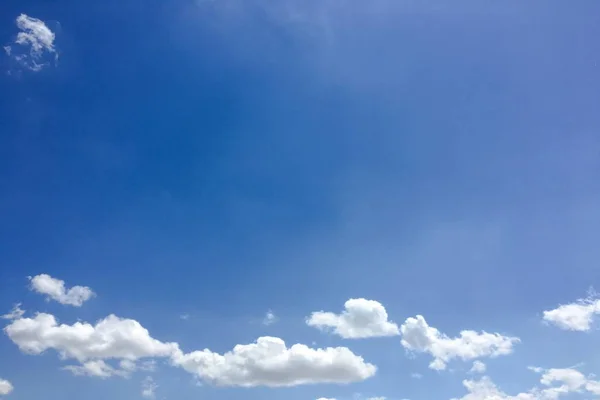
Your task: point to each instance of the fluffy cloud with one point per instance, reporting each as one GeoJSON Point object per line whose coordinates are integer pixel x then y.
{"type": "Point", "coordinates": [556, 383]}
{"type": "Point", "coordinates": [361, 319]}
{"type": "Point", "coordinates": [269, 362]}
{"type": "Point", "coordinates": [111, 337]}
{"type": "Point", "coordinates": [477, 368]}
{"type": "Point", "coordinates": [5, 387]}
{"type": "Point", "coordinates": [418, 336]}
{"type": "Point", "coordinates": [577, 316]}
{"type": "Point", "coordinates": [149, 388]}
{"type": "Point", "coordinates": [55, 289]}
{"type": "Point", "coordinates": [33, 44]}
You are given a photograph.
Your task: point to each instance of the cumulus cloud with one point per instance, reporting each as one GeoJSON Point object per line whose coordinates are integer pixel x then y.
{"type": "Point", "coordinates": [5, 387]}
{"type": "Point", "coordinates": [33, 44]}
{"type": "Point", "coordinates": [269, 362]}
{"type": "Point", "coordinates": [55, 289]}
{"type": "Point", "coordinates": [111, 337]}
{"type": "Point", "coordinates": [478, 367]}
{"type": "Point", "coordinates": [418, 336]}
{"type": "Point", "coordinates": [149, 388]}
{"type": "Point", "coordinates": [15, 313]}
{"type": "Point", "coordinates": [556, 383]}
{"type": "Point", "coordinates": [577, 316]}
{"type": "Point", "coordinates": [361, 319]}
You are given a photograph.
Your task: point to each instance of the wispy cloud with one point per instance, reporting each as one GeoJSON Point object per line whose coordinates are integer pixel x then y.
{"type": "Point", "coordinates": [33, 48]}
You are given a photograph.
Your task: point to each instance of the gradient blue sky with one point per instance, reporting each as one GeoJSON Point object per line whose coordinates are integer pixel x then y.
{"type": "Point", "coordinates": [224, 158]}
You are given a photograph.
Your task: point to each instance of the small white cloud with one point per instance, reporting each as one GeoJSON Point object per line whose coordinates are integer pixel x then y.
{"type": "Point", "coordinates": [5, 387]}
{"type": "Point", "coordinates": [15, 313]}
{"type": "Point", "coordinates": [577, 316]}
{"type": "Point", "coordinates": [55, 289]}
{"type": "Point", "coordinates": [270, 318]}
{"type": "Point", "coordinates": [149, 388]}
{"type": "Point", "coordinates": [33, 44]}
{"type": "Point", "coordinates": [416, 375]}
{"type": "Point", "coordinates": [96, 368]}
{"type": "Point", "coordinates": [269, 362]}
{"type": "Point", "coordinates": [418, 336]}
{"type": "Point", "coordinates": [184, 317]}
{"type": "Point", "coordinates": [478, 367]}
{"type": "Point", "coordinates": [361, 318]}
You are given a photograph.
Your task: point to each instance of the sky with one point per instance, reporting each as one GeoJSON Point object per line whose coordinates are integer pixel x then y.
{"type": "Point", "coordinates": [299, 199]}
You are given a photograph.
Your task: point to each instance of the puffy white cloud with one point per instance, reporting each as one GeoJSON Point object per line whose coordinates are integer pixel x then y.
{"type": "Point", "coordinates": [478, 367]}
{"type": "Point", "coordinates": [37, 40]}
{"type": "Point", "coordinates": [149, 388]}
{"type": "Point", "coordinates": [55, 289]}
{"type": "Point", "coordinates": [418, 336]}
{"type": "Point", "coordinates": [577, 316]}
{"type": "Point", "coordinates": [270, 318]}
{"type": "Point", "coordinates": [15, 313]}
{"type": "Point", "coordinates": [5, 387]}
{"type": "Point", "coordinates": [361, 319]}
{"type": "Point", "coordinates": [555, 382]}
{"type": "Point", "coordinates": [111, 337]}
{"type": "Point", "coordinates": [269, 362]}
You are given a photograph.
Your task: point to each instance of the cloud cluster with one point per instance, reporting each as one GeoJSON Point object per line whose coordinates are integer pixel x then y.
{"type": "Point", "coordinates": [34, 44]}
{"type": "Point", "coordinates": [115, 346]}
{"type": "Point", "coordinates": [269, 362]}
{"type": "Point", "coordinates": [418, 336]}
{"type": "Point", "coordinates": [56, 290]}
{"type": "Point", "coordinates": [5, 387]}
{"type": "Point", "coordinates": [361, 318]}
{"type": "Point", "coordinates": [556, 383]}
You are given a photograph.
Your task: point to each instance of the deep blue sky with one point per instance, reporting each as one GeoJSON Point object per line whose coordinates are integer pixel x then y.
{"type": "Point", "coordinates": [223, 158]}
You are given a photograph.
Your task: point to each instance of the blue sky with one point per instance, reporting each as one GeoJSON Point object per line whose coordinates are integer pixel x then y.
{"type": "Point", "coordinates": [220, 159]}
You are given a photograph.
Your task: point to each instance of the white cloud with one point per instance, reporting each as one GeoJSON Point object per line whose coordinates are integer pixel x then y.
{"type": "Point", "coordinates": [361, 319]}
{"type": "Point", "coordinates": [111, 337]}
{"type": "Point", "coordinates": [478, 367]}
{"type": "Point", "coordinates": [149, 388]}
{"type": "Point", "coordinates": [5, 387]}
{"type": "Point", "coordinates": [15, 313]}
{"type": "Point", "coordinates": [37, 40]}
{"type": "Point", "coordinates": [416, 375]}
{"type": "Point", "coordinates": [418, 336]}
{"type": "Point", "coordinates": [55, 289]}
{"type": "Point", "coordinates": [96, 368]}
{"type": "Point", "coordinates": [270, 318]}
{"type": "Point", "coordinates": [184, 317]}
{"type": "Point", "coordinates": [555, 383]}
{"type": "Point", "coordinates": [577, 316]}
{"type": "Point", "coordinates": [269, 362]}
